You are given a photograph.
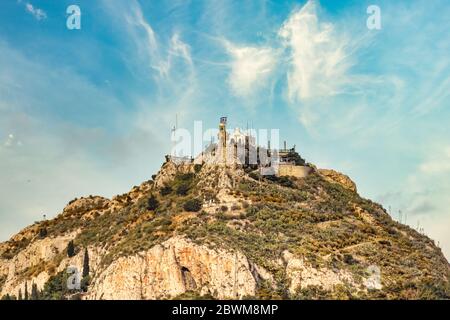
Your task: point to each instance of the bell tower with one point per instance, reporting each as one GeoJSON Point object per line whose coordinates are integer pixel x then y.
{"type": "Point", "coordinates": [223, 139]}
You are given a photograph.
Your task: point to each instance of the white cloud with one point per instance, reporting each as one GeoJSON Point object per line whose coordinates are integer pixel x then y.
{"type": "Point", "coordinates": [438, 163]}
{"type": "Point", "coordinates": [180, 49]}
{"type": "Point", "coordinates": [159, 56]}
{"type": "Point", "coordinates": [250, 68]}
{"type": "Point", "coordinates": [314, 57]}
{"type": "Point", "coordinates": [150, 44]}
{"type": "Point", "coordinates": [319, 56]}
{"type": "Point", "coordinates": [39, 14]}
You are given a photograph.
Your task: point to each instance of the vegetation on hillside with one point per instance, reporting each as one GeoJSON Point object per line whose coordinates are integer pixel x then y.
{"type": "Point", "coordinates": [323, 222]}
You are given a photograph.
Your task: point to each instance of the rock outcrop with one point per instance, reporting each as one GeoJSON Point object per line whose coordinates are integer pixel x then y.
{"type": "Point", "coordinates": [337, 177]}
{"type": "Point", "coordinates": [174, 267]}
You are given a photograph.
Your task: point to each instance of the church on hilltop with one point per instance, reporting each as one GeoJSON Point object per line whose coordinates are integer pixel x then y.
{"type": "Point", "coordinates": [238, 148]}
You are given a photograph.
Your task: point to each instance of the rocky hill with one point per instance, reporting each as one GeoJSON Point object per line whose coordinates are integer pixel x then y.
{"type": "Point", "coordinates": [206, 231]}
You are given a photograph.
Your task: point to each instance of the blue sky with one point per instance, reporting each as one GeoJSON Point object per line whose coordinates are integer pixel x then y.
{"type": "Point", "coordinates": [89, 111]}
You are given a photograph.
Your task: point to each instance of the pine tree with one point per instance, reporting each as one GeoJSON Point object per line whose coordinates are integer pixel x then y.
{"type": "Point", "coordinates": [70, 249]}
{"type": "Point", "coordinates": [86, 263]}
{"type": "Point", "coordinates": [26, 291]}
{"type": "Point", "coordinates": [85, 279]}
{"type": "Point", "coordinates": [34, 292]}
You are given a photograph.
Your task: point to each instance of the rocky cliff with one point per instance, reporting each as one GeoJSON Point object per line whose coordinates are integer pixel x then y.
{"type": "Point", "coordinates": [205, 231]}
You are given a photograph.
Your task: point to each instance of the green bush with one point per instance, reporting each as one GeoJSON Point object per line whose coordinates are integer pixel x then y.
{"type": "Point", "coordinates": [152, 203]}
{"type": "Point", "coordinates": [183, 189]}
{"type": "Point", "coordinates": [192, 205]}
{"type": "Point", "coordinates": [70, 249]}
{"type": "Point", "coordinates": [166, 190]}
{"type": "Point", "coordinates": [56, 287]}
{"type": "Point", "coordinates": [186, 176]}
{"type": "Point", "coordinates": [254, 175]}
{"type": "Point", "coordinates": [42, 233]}
{"type": "Point", "coordinates": [348, 259]}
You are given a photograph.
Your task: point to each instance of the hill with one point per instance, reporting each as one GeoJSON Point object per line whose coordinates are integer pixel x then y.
{"type": "Point", "coordinates": [207, 231]}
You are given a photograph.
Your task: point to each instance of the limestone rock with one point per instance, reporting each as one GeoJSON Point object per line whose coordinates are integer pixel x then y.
{"type": "Point", "coordinates": [175, 267]}
{"type": "Point", "coordinates": [337, 177]}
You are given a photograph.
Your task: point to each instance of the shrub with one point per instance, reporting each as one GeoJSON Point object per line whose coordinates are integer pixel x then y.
{"type": "Point", "coordinates": [186, 176]}
{"type": "Point", "coordinates": [197, 168]}
{"type": "Point", "coordinates": [254, 175]}
{"type": "Point", "coordinates": [183, 189]}
{"type": "Point", "coordinates": [42, 233]}
{"type": "Point", "coordinates": [285, 182]}
{"type": "Point", "coordinates": [152, 203]}
{"type": "Point", "coordinates": [2, 281]}
{"type": "Point", "coordinates": [70, 249]}
{"type": "Point", "coordinates": [34, 292]}
{"type": "Point", "coordinates": [223, 208]}
{"type": "Point", "coordinates": [55, 288]}
{"type": "Point", "coordinates": [348, 259]}
{"type": "Point", "coordinates": [235, 207]}
{"type": "Point", "coordinates": [192, 205]}
{"type": "Point", "coordinates": [166, 190]}
{"type": "Point", "coordinates": [85, 281]}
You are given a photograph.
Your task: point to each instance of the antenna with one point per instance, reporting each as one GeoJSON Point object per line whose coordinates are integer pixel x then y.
{"type": "Point", "coordinates": [174, 129]}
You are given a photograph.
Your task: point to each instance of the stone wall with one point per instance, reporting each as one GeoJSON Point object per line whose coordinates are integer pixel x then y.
{"type": "Point", "coordinates": [293, 170]}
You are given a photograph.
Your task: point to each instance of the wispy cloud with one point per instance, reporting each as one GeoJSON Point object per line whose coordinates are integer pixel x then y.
{"type": "Point", "coordinates": [319, 56]}
{"type": "Point", "coordinates": [251, 67]}
{"type": "Point", "coordinates": [437, 163]}
{"type": "Point", "coordinates": [37, 13]}
{"type": "Point", "coordinates": [179, 48]}
{"type": "Point", "coordinates": [160, 54]}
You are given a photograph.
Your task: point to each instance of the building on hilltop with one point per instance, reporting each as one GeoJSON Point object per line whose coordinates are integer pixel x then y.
{"type": "Point", "coordinates": [239, 149]}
